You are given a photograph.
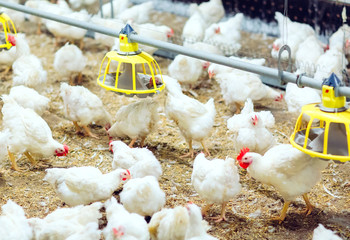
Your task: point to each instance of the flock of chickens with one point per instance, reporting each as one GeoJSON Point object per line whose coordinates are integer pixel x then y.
{"type": "Point", "coordinates": [86, 190]}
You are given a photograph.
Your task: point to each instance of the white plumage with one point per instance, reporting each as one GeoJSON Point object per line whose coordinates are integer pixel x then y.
{"type": "Point", "coordinates": [136, 120]}
{"type": "Point", "coordinates": [332, 61]}
{"type": "Point", "coordinates": [141, 162]}
{"type": "Point", "coordinates": [118, 7]}
{"type": "Point", "coordinates": [69, 223]}
{"type": "Point", "coordinates": [194, 119]}
{"type": "Point", "coordinates": [27, 69]}
{"type": "Point", "coordinates": [122, 224]}
{"type": "Point", "coordinates": [84, 107]}
{"type": "Point", "coordinates": [197, 226]}
{"type": "Point", "coordinates": [139, 13]}
{"type": "Point", "coordinates": [28, 133]}
{"type": "Point", "coordinates": [13, 223]}
{"type": "Point", "coordinates": [169, 224]}
{"type": "Point", "coordinates": [250, 129]}
{"type": "Point", "coordinates": [237, 85]}
{"type": "Point", "coordinates": [291, 172]}
{"type": "Point", "coordinates": [142, 196]}
{"type": "Point", "coordinates": [226, 35]}
{"type": "Point", "coordinates": [29, 98]}
{"type": "Point", "coordinates": [296, 97]}
{"type": "Point", "coordinates": [186, 70]}
{"type": "Point", "coordinates": [322, 233]}
{"type": "Point", "coordinates": [70, 60]}
{"type": "Point", "coordinates": [194, 28]}
{"type": "Point", "coordinates": [212, 11]}
{"type": "Point", "coordinates": [291, 33]}
{"type": "Point", "coordinates": [84, 185]}
{"type": "Point", "coordinates": [216, 181]}
{"type": "Point", "coordinates": [115, 24]}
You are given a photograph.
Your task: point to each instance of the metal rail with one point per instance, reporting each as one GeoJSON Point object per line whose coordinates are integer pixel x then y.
{"type": "Point", "coordinates": [261, 70]}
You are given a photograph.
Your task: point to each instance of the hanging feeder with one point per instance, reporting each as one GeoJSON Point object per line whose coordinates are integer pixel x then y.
{"type": "Point", "coordinates": [7, 39]}
{"type": "Point", "coordinates": [130, 71]}
{"type": "Point", "coordinates": [327, 134]}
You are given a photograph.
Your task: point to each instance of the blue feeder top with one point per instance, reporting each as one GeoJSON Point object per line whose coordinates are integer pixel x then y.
{"type": "Point", "coordinates": [332, 81]}
{"type": "Point", "coordinates": [127, 30]}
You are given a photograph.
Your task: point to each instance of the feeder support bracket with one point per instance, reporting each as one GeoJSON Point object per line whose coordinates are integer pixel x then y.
{"type": "Point", "coordinates": [289, 68]}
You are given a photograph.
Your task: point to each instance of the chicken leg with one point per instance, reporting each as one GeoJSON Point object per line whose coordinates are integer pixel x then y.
{"type": "Point", "coordinates": [142, 141]}
{"type": "Point", "coordinates": [283, 213]}
{"type": "Point", "coordinates": [190, 153]}
{"type": "Point", "coordinates": [238, 108]}
{"type": "Point", "coordinates": [132, 142]}
{"type": "Point", "coordinates": [14, 165]}
{"type": "Point", "coordinates": [309, 206]}
{"type": "Point", "coordinates": [31, 159]}
{"type": "Point", "coordinates": [206, 151]}
{"type": "Point", "coordinates": [77, 128]}
{"type": "Point", "coordinates": [222, 216]}
{"type": "Point", "coordinates": [80, 79]}
{"type": "Point", "coordinates": [89, 133]}
{"type": "Point", "coordinates": [205, 209]}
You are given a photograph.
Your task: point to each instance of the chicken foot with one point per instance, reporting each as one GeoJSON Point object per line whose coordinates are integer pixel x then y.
{"type": "Point", "coordinates": [14, 165]}
{"type": "Point", "coordinates": [206, 151]}
{"type": "Point", "coordinates": [222, 216]}
{"type": "Point", "coordinates": [283, 213]}
{"type": "Point", "coordinates": [205, 209]}
{"type": "Point", "coordinates": [191, 152]}
{"type": "Point", "coordinates": [89, 133]}
{"type": "Point", "coordinates": [309, 206]}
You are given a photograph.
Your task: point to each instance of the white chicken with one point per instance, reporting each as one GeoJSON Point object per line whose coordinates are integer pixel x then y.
{"type": "Point", "coordinates": [297, 97]}
{"type": "Point", "coordinates": [75, 4]}
{"type": "Point", "coordinates": [322, 233]}
{"type": "Point", "coordinates": [69, 223]}
{"type": "Point", "coordinates": [104, 39]}
{"type": "Point", "coordinates": [212, 11]}
{"type": "Point", "coordinates": [27, 69]}
{"type": "Point", "coordinates": [332, 61]}
{"type": "Point", "coordinates": [157, 32]}
{"type": "Point", "coordinates": [136, 120]}
{"type": "Point", "coordinates": [216, 181]}
{"type": "Point", "coordinates": [83, 185]}
{"type": "Point", "coordinates": [169, 224]}
{"type": "Point", "coordinates": [186, 70]}
{"type": "Point", "coordinates": [250, 129]}
{"type": "Point", "coordinates": [194, 28]}
{"type": "Point", "coordinates": [287, 169]}
{"type": "Point", "coordinates": [118, 7]}
{"type": "Point", "coordinates": [122, 224]}
{"type": "Point", "coordinates": [13, 223]}
{"type": "Point", "coordinates": [307, 54]}
{"type": "Point", "coordinates": [226, 35]}
{"type": "Point", "coordinates": [70, 60]}
{"type": "Point", "coordinates": [142, 196]}
{"type": "Point", "coordinates": [340, 39]}
{"type": "Point", "coordinates": [60, 30]}
{"type": "Point", "coordinates": [194, 119]}
{"type": "Point", "coordinates": [197, 226]}
{"type": "Point", "coordinates": [139, 13]}
{"type": "Point", "coordinates": [291, 33]}
{"type": "Point", "coordinates": [84, 107]}
{"type": "Point", "coordinates": [141, 162]}
{"type": "Point", "coordinates": [237, 85]}
{"type": "Point", "coordinates": [28, 133]}
{"type": "Point", "coordinates": [8, 57]}
{"type": "Point", "coordinates": [29, 98]}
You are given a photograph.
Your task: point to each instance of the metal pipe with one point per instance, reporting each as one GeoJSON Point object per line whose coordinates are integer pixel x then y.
{"type": "Point", "coordinates": [261, 70]}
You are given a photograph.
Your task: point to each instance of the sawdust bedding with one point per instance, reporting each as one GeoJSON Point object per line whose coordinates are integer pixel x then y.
{"type": "Point", "coordinates": [248, 213]}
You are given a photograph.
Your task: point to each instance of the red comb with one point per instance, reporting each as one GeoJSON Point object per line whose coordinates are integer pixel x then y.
{"type": "Point", "coordinates": [242, 153]}
{"type": "Point", "coordinates": [127, 170]}
{"type": "Point", "coordinates": [110, 147]}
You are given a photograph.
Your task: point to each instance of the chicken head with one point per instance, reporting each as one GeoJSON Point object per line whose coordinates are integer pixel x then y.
{"type": "Point", "coordinates": [12, 40]}
{"type": "Point", "coordinates": [125, 175]}
{"type": "Point", "coordinates": [243, 159]}
{"type": "Point", "coordinates": [62, 151]}
{"type": "Point", "coordinates": [118, 232]}
{"type": "Point", "coordinates": [279, 98]}
{"type": "Point", "coordinates": [170, 33]}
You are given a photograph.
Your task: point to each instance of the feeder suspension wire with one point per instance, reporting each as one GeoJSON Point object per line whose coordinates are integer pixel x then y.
{"type": "Point", "coordinates": [248, 67]}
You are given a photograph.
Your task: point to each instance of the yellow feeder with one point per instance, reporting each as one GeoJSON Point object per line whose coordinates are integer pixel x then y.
{"type": "Point", "coordinates": [327, 134]}
{"type": "Point", "coordinates": [130, 71]}
{"type": "Point", "coordinates": [7, 39]}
